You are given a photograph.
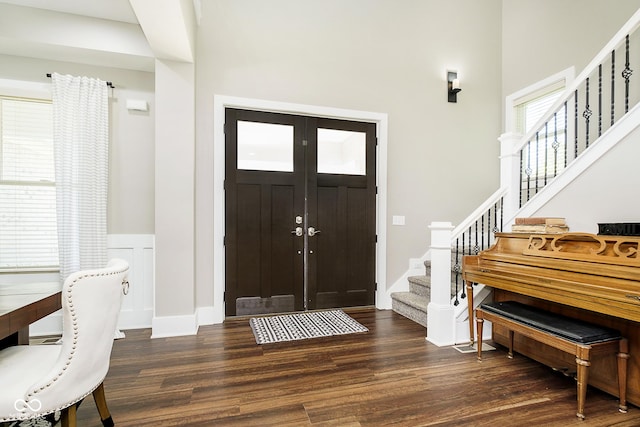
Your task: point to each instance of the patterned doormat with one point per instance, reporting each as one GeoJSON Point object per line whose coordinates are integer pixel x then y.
{"type": "Point", "coordinates": [300, 326]}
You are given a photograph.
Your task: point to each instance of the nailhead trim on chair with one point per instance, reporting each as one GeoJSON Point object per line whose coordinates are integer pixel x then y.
{"type": "Point", "coordinates": [125, 284]}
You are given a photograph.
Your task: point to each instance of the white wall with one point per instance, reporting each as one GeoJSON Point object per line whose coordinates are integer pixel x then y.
{"type": "Point", "coordinates": [174, 208]}
{"type": "Point", "coordinates": [131, 180]}
{"type": "Point", "coordinates": [368, 55]}
{"type": "Point", "coordinates": [131, 145]}
{"type": "Point", "coordinates": [543, 37]}
{"type": "Point", "coordinates": [606, 192]}
{"type": "Point", "coordinates": [387, 56]}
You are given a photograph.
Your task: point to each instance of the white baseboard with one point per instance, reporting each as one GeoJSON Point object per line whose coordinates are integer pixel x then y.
{"type": "Point", "coordinates": [174, 326]}
{"type": "Point", "coordinates": [135, 319]}
{"type": "Point", "coordinates": [206, 316]}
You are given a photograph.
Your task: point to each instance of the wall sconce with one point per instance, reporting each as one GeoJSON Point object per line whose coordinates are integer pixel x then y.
{"type": "Point", "coordinates": [453, 86]}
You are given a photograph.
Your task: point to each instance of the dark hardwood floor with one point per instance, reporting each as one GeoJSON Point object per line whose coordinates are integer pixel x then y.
{"type": "Point", "coordinates": [390, 376]}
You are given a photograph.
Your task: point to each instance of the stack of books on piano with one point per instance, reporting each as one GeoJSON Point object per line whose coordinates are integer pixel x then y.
{"type": "Point", "coordinates": [540, 225]}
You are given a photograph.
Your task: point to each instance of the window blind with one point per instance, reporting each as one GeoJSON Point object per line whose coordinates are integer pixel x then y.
{"type": "Point", "coordinates": [545, 159]}
{"type": "Point", "coordinates": [28, 231]}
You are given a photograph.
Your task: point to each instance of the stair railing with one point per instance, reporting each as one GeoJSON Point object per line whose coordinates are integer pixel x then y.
{"type": "Point", "coordinates": [590, 105]}
{"type": "Point", "coordinates": [475, 234]}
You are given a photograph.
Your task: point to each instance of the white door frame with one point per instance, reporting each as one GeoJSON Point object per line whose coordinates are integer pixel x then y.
{"type": "Point", "coordinates": [220, 103]}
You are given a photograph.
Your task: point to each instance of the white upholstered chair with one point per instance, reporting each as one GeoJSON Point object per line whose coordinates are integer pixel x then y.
{"type": "Point", "coordinates": [36, 380]}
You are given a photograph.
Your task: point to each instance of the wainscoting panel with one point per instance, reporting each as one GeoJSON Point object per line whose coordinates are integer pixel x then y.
{"type": "Point", "coordinates": [138, 251]}
{"type": "Point", "coordinates": [137, 306]}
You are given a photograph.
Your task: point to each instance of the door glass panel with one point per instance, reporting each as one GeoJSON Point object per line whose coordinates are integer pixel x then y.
{"type": "Point", "coordinates": [341, 152]}
{"type": "Point", "coordinates": [265, 146]}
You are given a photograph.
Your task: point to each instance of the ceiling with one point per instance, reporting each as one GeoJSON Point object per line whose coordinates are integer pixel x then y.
{"type": "Point", "coordinates": [127, 34]}
{"type": "Point", "coordinates": [114, 10]}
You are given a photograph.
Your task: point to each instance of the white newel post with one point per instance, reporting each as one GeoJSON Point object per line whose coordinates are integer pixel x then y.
{"type": "Point", "coordinates": [440, 311]}
{"type": "Point", "coordinates": [510, 171]}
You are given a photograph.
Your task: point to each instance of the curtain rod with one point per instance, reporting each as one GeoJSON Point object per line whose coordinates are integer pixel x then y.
{"type": "Point", "coordinates": [108, 83]}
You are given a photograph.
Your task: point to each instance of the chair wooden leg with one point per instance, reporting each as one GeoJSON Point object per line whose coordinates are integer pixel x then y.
{"type": "Point", "coordinates": [68, 416]}
{"type": "Point", "coordinates": [101, 404]}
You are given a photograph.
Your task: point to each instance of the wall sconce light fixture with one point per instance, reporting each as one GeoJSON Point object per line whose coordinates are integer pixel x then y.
{"type": "Point", "coordinates": [453, 86]}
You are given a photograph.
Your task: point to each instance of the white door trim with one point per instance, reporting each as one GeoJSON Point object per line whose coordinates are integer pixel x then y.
{"type": "Point", "coordinates": [220, 102]}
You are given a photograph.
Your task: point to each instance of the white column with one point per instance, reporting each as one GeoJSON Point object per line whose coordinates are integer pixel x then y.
{"type": "Point", "coordinates": [174, 294]}
{"type": "Point", "coordinates": [510, 171]}
{"type": "Point", "coordinates": [440, 311]}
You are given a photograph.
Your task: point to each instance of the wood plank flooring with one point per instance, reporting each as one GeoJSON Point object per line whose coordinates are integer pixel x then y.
{"type": "Point", "coordinates": [390, 376]}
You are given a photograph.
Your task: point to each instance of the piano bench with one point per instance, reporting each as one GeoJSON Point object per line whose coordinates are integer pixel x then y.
{"type": "Point", "coordinates": [570, 335]}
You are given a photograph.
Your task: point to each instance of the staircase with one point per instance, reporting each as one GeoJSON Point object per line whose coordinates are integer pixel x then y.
{"type": "Point", "coordinates": [584, 132]}
{"type": "Point", "coordinates": [413, 303]}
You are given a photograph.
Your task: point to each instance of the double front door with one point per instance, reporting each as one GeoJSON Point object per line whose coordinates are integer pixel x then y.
{"type": "Point", "coordinates": [300, 213]}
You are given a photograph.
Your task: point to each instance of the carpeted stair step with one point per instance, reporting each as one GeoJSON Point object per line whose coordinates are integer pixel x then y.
{"type": "Point", "coordinates": [420, 285]}
{"type": "Point", "coordinates": [411, 306]}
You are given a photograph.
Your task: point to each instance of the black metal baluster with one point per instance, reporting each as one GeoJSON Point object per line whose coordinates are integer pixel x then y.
{"type": "Point", "coordinates": [488, 228]}
{"type": "Point", "coordinates": [501, 213]}
{"type": "Point", "coordinates": [566, 129]}
{"type": "Point", "coordinates": [626, 74]}
{"type": "Point", "coordinates": [457, 269]}
{"type": "Point", "coordinates": [495, 219]}
{"type": "Point", "coordinates": [521, 177]}
{"type": "Point", "coordinates": [575, 118]}
{"type": "Point", "coordinates": [587, 114]}
{"type": "Point", "coordinates": [476, 248]}
{"type": "Point", "coordinates": [599, 100]}
{"type": "Point", "coordinates": [482, 232]}
{"type": "Point", "coordinates": [613, 86]}
{"type": "Point", "coordinates": [546, 152]}
{"type": "Point", "coordinates": [528, 171]}
{"type": "Point", "coordinates": [555, 144]}
{"type": "Point", "coordinates": [537, 159]}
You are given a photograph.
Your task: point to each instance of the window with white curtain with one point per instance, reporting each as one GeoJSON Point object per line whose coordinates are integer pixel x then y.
{"type": "Point", "coordinates": [28, 231]}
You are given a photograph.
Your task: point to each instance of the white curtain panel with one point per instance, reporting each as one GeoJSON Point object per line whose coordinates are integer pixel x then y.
{"type": "Point", "coordinates": [81, 151]}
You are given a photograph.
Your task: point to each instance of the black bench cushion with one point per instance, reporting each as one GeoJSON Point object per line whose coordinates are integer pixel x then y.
{"type": "Point", "coordinates": [556, 324]}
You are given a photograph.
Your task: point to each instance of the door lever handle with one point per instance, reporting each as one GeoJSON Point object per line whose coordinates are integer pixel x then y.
{"type": "Point", "coordinates": [298, 231]}
{"type": "Point", "coordinates": [312, 231]}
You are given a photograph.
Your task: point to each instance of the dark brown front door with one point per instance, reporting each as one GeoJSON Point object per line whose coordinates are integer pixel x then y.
{"type": "Point", "coordinates": [300, 210]}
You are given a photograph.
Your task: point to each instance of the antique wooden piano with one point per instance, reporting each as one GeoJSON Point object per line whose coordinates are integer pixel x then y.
{"type": "Point", "coordinates": [595, 278]}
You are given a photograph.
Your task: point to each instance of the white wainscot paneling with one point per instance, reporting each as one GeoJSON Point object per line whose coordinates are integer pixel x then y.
{"type": "Point", "coordinates": [138, 251]}
{"type": "Point", "coordinates": [137, 306]}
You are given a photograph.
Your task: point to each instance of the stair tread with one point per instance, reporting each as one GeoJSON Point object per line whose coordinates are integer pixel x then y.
{"type": "Point", "coordinates": [420, 280]}
{"type": "Point", "coordinates": [411, 299]}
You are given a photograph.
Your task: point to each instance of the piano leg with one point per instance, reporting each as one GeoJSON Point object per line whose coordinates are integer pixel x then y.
{"type": "Point", "coordinates": [582, 361]}
{"type": "Point", "coordinates": [511, 335]}
{"type": "Point", "coordinates": [470, 309]}
{"type": "Point", "coordinates": [479, 322]}
{"type": "Point", "coordinates": [623, 356]}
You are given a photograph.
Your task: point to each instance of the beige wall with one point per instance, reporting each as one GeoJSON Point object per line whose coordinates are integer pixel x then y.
{"type": "Point", "coordinates": [567, 33]}
{"type": "Point", "coordinates": [603, 193]}
{"type": "Point", "coordinates": [131, 153]}
{"type": "Point", "coordinates": [600, 194]}
{"type": "Point", "coordinates": [386, 56]}
{"type": "Point", "coordinates": [373, 55]}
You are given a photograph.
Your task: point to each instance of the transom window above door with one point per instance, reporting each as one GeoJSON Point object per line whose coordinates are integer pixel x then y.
{"type": "Point", "coordinates": [265, 146]}
{"type": "Point", "coordinates": [342, 152]}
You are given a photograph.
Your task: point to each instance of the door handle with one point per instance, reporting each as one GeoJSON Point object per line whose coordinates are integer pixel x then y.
{"type": "Point", "coordinates": [312, 231]}
{"type": "Point", "coordinates": [298, 231]}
